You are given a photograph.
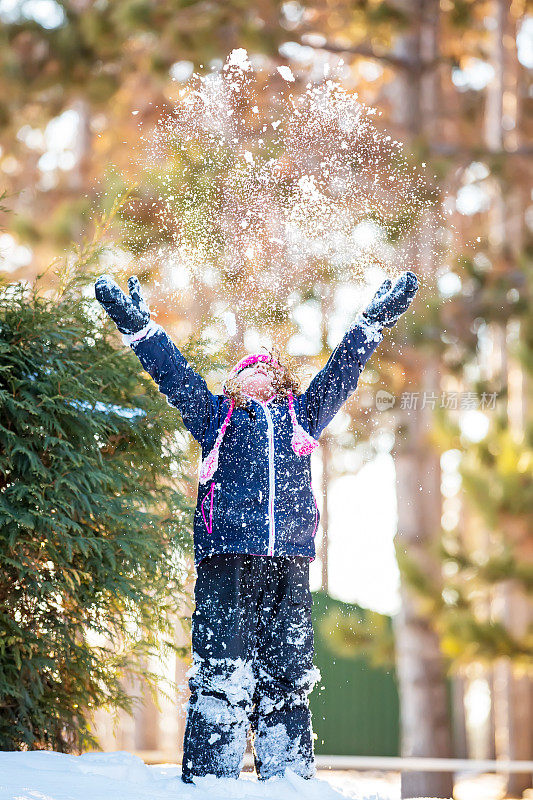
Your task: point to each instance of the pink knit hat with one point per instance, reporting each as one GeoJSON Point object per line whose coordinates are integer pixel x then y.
{"type": "Point", "coordinates": [249, 361]}
{"type": "Point", "coordinates": [302, 442]}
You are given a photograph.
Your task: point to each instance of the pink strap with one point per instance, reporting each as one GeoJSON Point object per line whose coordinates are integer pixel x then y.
{"type": "Point", "coordinates": [292, 412]}
{"type": "Point", "coordinates": [302, 442]}
{"type": "Point", "coordinates": [210, 463]}
{"type": "Point", "coordinates": [225, 424]}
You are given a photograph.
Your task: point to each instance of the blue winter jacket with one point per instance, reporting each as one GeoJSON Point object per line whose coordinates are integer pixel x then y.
{"type": "Point", "coordinates": [260, 499]}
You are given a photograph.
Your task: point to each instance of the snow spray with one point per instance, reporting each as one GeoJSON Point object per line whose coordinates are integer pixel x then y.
{"type": "Point", "coordinates": [268, 185]}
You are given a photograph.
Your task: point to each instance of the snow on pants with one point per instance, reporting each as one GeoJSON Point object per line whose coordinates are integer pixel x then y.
{"type": "Point", "coordinates": [252, 643]}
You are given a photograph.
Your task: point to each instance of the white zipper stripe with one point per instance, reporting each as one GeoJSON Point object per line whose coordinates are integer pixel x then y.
{"type": "Point", "coordinates": [271, 481]}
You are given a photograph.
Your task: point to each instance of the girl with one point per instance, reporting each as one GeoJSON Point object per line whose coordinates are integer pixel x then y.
{"type": "Point", "coordinates": [254, 527]}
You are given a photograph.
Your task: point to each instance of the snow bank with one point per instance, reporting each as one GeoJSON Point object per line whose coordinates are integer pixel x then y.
{"type": "Point", "coordinates": [46, 775]}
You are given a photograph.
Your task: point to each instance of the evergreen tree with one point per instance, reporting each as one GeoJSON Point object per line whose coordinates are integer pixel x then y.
{"type": "Point", "coordinates": [93, 517]}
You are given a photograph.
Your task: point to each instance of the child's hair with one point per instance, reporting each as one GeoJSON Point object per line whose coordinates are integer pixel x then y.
{"type": "Point", "coordinates": [288, 382]}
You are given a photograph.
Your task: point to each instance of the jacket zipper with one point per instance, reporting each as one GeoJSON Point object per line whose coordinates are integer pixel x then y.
{"type": "Point", "coordinates": [271, 481]}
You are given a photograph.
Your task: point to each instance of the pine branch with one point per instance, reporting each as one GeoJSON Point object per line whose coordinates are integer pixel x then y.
{"type": "Point", "coordinates": [412, 65]}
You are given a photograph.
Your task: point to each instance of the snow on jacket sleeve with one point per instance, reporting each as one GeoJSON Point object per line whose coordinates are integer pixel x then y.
{"type": "Point", "coordinates": [176, 379]}
{"type": "Point", "coordinates": [336, 381]}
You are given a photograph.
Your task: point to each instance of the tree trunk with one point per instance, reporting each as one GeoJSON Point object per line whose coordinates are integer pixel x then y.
{"type": "Point", "coordinates": [425, 724]}
{"type": "Point", "coordinates": [78, 175]}
{"type": "Point", "coordinates": [146, 717]}
{"type": "Point", "coordinates": [460, 739]}
{"type": "Point", "coordinates": [513, 710]}
{"type": "Point", "coordinates": [424, 716]}
{"type": "Point", "coordinates": [325, 446]}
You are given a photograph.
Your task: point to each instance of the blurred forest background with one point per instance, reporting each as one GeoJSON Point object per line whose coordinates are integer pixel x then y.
{"type": "Point", "coordinates": [452, 79]}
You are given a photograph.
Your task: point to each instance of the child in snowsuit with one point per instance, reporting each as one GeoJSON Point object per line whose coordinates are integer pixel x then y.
{"type": "Point", "coordinates": [254, 528]}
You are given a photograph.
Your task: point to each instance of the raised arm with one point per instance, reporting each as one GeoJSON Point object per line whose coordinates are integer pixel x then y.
{"type": "Point", "coordinates": [336, 381]}
{"type": "Point", "coordinates": [182, 386]}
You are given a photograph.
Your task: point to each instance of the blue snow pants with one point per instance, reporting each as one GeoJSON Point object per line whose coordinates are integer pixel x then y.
{"type": "Point", "coordinates": [252, 643]}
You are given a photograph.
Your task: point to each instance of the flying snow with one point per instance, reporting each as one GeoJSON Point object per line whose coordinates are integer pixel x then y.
{"type": "Point", "coordinates": [265, 185]}
{"type": "Point", "coordinates": [286, 73]}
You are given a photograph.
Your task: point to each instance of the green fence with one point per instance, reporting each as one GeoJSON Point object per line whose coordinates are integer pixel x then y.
{"type": "Point", "coordinates": [355, 706]}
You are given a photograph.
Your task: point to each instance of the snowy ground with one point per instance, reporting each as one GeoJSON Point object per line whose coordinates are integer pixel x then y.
{"type": "Point", "coordinates": [121, 776]}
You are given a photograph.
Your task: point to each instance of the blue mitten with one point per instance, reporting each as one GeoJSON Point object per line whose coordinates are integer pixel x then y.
{"type": "Point", "coordinates": [130, 314]}
{"type": "Point", "coordinates": [388, 304]}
